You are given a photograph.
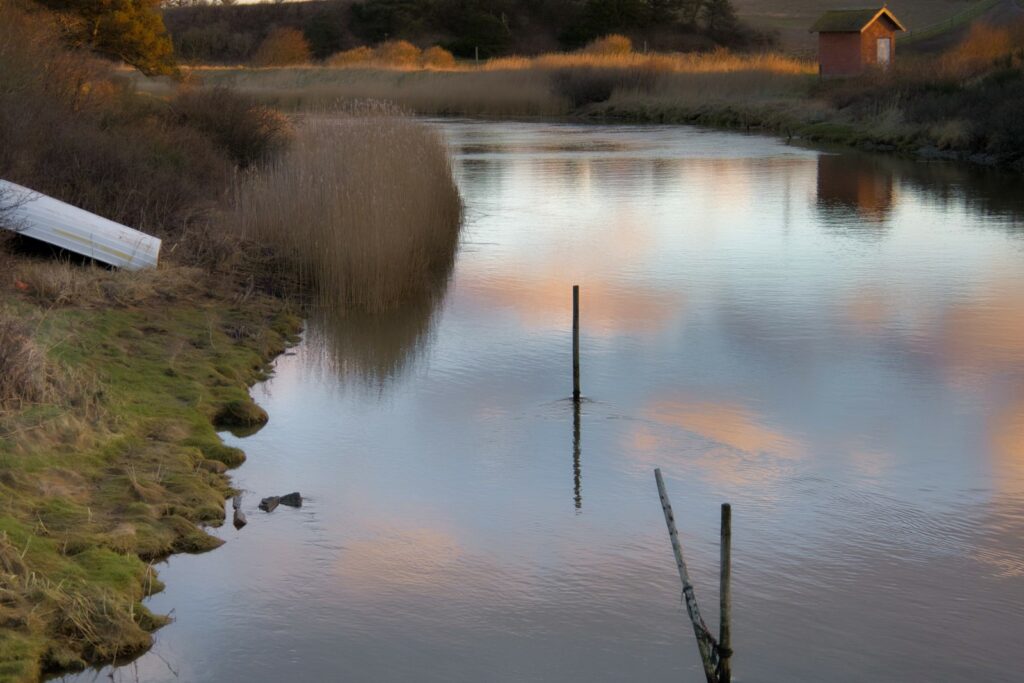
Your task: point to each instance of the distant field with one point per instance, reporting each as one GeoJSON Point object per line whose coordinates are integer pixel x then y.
{"type": "Point", "coordinates": [792, 18]}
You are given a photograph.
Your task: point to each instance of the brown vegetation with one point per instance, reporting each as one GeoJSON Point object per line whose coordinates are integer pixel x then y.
{"type": "Point", "coordinates": [437, 58]}
{"type": "Point", "coordinates": [330, 209]}
{"type": "Point", "coordinates": [282, 47]}
{"type": "Point", "coordinates": [247, 133]}
{"type": "Point", "coordinates": [25, 375]}
{"type": "Point", "coordinates": [394, 54]}
{"type": "Point", "coordinates": [548, 85]}
{"type": "Point", "coordinates": [70, 129]}
{"type": "Point", "coordinates": [398, 52]}
{"type": "Point", "coordinates": [613, 44]}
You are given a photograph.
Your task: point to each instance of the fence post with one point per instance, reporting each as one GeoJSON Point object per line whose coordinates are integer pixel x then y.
{"type": "Point", "coordinates": [725, 598]}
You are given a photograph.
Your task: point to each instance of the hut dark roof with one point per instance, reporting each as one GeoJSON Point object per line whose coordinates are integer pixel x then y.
{"type": "Point", "coordinates": [852, 20]}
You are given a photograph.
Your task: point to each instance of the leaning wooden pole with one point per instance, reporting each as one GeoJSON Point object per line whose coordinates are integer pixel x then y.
{"type": "Point", "coordinates": [725, 599]}
{"type": "Point", "coordinates": [576, 342]}
{"type": "Point", "coordinates": [705, 642]}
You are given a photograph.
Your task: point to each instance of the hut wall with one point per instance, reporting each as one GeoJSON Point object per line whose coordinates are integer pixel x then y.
{"type": "Point", "coordinates": [840, 54]}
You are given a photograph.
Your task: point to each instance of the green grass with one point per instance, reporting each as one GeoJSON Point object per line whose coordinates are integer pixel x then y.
{"type": "Point", "coordinates": [95, 487]}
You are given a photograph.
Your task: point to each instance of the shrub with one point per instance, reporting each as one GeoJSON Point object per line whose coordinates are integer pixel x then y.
{"type": "Point", "coordinates": [249, 133]}
{"type": "Point", "coordinates": [283, 47]}
{"type": "Point", "coordinates": [67, 130]}
{"type": "Point", "coordinates": [323, 209]}
{"type": "Point", "coordinates": [437, 58]}
{"type": "Point", "coordinates": [397, 53]}
{"type": "Point", "coordinates": [613, 44]}
{"type": "Point", "coordinates": [357, 55]}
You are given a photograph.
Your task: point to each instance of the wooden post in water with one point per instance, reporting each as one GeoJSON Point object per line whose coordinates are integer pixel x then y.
{"type": "Point", "coordinates": [576, 342]}
{"type": "Point", "coordinates": [705, 642]}
{"type": "Point", "coordinates": [725, 598]}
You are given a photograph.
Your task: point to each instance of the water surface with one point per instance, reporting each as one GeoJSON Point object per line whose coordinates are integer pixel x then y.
{"type": "Point", "coordinates": [831, 342]}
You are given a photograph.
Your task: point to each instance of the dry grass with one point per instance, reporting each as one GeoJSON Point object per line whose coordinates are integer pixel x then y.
{"type": "Point", "coordinates": [26, 375]}
{"type": "Point", "coordinates": [362, 211]}
{"type": "Point", "coordinates": [53, 284]}
{"type": "Point", "coordinates": [718, 61]}
{"type": "Point", "coordinates": [984, 47]}
{"type": "Point", "coordinates": [547, 85]}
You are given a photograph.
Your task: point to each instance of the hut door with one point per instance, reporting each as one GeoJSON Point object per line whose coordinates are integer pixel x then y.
{"type": "Point", "coordinates": [884, 51]}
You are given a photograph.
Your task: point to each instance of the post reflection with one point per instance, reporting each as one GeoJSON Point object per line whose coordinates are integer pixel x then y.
{"type": "Point", "coordinates": [577, 470]}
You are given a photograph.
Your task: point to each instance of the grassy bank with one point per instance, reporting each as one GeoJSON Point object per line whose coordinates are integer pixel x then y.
{"type": "Point", "coordinates": [110, 387]}
{"type": "Point", "coordinates": [111, 383]}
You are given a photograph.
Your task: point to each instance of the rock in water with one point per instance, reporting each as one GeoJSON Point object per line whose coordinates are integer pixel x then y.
{"type": "Point", "coordinates": [292, 499]}
{"type": "Point", "coordinates": [240, 519]}
{"type": "Point", "coordinates": [236, 501]}
{"type": "Point", "coordinates": [268, 504]}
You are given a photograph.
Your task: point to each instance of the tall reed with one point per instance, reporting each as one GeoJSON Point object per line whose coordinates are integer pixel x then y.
{"type": "Point", "coordinates": [362, 212]}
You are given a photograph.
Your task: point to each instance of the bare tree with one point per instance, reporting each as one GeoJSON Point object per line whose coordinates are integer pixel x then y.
{"type": "Point", "coordinates": [10, 200]}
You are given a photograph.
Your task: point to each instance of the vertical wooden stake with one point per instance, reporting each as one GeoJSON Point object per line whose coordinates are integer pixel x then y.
{"type": "Point", "coordinates": [576, 342]}
{"type": "Point", "coordinates": [725, 598]}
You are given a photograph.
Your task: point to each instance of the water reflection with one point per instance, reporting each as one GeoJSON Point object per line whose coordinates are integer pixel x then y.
{"type": "Point", "coordinates": [725, 443]}
{"type": "Point", "coordinates": [373, 349]}
{"type": "Point", "coordinates": [854, 190]}
{"type": "Point", "coordinates": [860, 401]}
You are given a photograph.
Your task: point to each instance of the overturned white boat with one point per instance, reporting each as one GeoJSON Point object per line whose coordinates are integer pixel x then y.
{"type": "Point", "coordinates": [50, 220]}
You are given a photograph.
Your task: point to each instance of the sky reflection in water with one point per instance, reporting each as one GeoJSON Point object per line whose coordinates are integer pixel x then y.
{"type": "Point", "coordinates": [834, 343]}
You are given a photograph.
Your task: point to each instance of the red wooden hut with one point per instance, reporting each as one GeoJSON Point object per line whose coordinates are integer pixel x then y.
{"type": "Point", "coordinates": [852, 40]}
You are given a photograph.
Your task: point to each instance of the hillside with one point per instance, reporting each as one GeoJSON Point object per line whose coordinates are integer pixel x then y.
{"type": "Point", "coordinates": [792, 18]}
{"type": "Point", "coordinates": [946, 35]}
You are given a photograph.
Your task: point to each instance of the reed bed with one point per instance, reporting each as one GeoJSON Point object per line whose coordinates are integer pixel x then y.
{"type": "Point", "coordinates": [547, 85]}
{"type": "Point", "coordinates": [718, 61]}
{"type": "Point", "coordinates": [460, 92]}
{"type": "Point", "coordinates": [361, 213]}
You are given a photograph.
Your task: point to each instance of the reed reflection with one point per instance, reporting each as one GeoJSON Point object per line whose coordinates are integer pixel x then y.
{"type": "Point", "coordinates": [375, 348]}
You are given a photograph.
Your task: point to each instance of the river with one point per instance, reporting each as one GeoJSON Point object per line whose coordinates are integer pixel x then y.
{"type": "Point", "coordinates": [831, 342]}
